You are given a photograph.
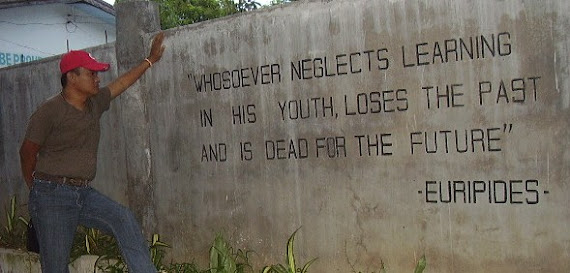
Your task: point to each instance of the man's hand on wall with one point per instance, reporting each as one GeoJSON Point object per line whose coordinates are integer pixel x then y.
{"type": "Point", "coordinates": [157, 48]}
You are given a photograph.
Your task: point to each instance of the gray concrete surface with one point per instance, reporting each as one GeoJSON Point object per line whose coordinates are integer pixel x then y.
{"type": "Point", "coordinates": [384, 130]}
{"type": "Point", "coordinates": [134, 117]}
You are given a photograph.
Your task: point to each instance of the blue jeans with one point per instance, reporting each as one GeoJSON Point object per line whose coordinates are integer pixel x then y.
{"type": "Point", "coordinates": [57, 209]}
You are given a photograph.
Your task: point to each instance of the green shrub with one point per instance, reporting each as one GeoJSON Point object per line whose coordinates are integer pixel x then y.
{"type": "Point", "coordinates": [223, 259]}
{"type": "Point", "coordinates": [90, 241]}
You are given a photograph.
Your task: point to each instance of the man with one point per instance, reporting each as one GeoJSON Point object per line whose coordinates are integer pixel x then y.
{"type": "Point", "coordinates": [59, 157]}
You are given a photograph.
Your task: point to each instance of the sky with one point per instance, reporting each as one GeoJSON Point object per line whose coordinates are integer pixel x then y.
{"type": "Point", "coordinates": [262, 2]}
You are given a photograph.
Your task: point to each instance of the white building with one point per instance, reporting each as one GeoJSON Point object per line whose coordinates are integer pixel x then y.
{"type": "Point", "coordinates": [35, 29]}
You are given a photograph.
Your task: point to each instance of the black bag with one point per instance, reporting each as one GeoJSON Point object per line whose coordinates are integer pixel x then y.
{"type": "Point", "coordinates": [32, 244]}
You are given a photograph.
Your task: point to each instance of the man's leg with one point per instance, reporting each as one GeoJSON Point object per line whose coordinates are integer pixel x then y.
{"type": "Point", "coordinates": [102, 213]}
{"type": "Point", "coordinates": [55, 212]}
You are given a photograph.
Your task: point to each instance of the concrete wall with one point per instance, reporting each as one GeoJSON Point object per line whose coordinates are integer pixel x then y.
{"type": "Point", "coordinates": [384, 129]}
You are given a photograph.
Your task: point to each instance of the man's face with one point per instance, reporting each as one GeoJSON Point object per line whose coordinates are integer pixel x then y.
{"type": "Point", "coordinates": [86, 81]}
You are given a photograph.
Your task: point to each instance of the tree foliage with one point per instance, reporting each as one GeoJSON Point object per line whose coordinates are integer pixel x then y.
{"type": "Point", "coordinates": [278, 2]}
{"type": "Point", "coordinates": [175, 13]}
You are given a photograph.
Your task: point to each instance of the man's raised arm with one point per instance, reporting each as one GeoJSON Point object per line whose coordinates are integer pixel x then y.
{"type": "Point", "coordinates": [119, 85]}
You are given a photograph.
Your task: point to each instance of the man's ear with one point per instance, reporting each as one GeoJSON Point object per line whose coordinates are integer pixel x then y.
{"type": "Point", "coordinates": [71, 76]}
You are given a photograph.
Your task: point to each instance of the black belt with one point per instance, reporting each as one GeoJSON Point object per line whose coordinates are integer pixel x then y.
{"type": "Point", "coordinates": [76, 182]}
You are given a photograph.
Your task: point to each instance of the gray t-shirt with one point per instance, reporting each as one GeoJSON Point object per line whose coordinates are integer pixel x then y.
{"type": "Point", "coordinates": [68, 137]}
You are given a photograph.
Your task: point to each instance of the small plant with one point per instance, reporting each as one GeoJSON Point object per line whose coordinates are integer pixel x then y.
{"type": "Point", "coordinates": [91, 241]}
{"type": "Point", "coordinates": [157, 251]}
{"type": "Point", "coordinates": [113, 262]}
{"type": "Point", "coordinates": [14, 233]}
{"type": "Point", "coordinates": [223, 259]}
{"type": "Point", "coordinates": [291, 262]}
{"type": "Point", "coordinates": [421, 265]}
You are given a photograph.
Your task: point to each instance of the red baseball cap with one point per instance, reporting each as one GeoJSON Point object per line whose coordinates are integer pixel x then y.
{"type": "Point", "coordinates": [79, 58]}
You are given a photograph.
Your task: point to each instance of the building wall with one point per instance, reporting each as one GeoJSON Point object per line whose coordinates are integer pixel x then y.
{"type": "Point", "coordinates": [33, 32]}
{"type": "Point", "coordinates": [384, 130]}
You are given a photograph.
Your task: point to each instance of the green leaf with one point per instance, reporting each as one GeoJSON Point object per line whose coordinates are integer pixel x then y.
{"type": "Point", "coordinates": [290, 253]}
{"type": "Point", "coordinates": [306, 267]}
{"type": "Point", "coordinates": [87, 244]}
{"type": "Point", "coordinates": [221, 257]}
{"type": "Point", "coordinates": [421, 265]}
{"type": "Point", "coordinates": [13, 207]}
{"type": "Point", "coordinates": [9, 226]}
{"type": "Point", "coordinates": [23, 220]}
{"type": "Point", "coordinates": [279, 268]}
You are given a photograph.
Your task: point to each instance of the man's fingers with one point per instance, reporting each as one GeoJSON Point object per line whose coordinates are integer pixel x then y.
{"type": "Point", "coordinates": [157, 47]}
{"type": "Point", "coordinates": [157, 41]}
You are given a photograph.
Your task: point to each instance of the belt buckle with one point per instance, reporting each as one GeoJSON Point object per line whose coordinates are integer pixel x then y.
{"type": "Point", "coordinates": [75, 182]}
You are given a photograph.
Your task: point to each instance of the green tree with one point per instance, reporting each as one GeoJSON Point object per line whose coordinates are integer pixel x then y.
{"type": "Point", "coordinates": [175, 13]}
{"type": "Point", "coordinates": [278, 2]}
{"type": "Point", "coordinates": [247, 5]}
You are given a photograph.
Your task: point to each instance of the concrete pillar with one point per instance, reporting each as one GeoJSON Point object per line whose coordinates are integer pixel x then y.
{"type": "Point", "coordinates": [134, 20]}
